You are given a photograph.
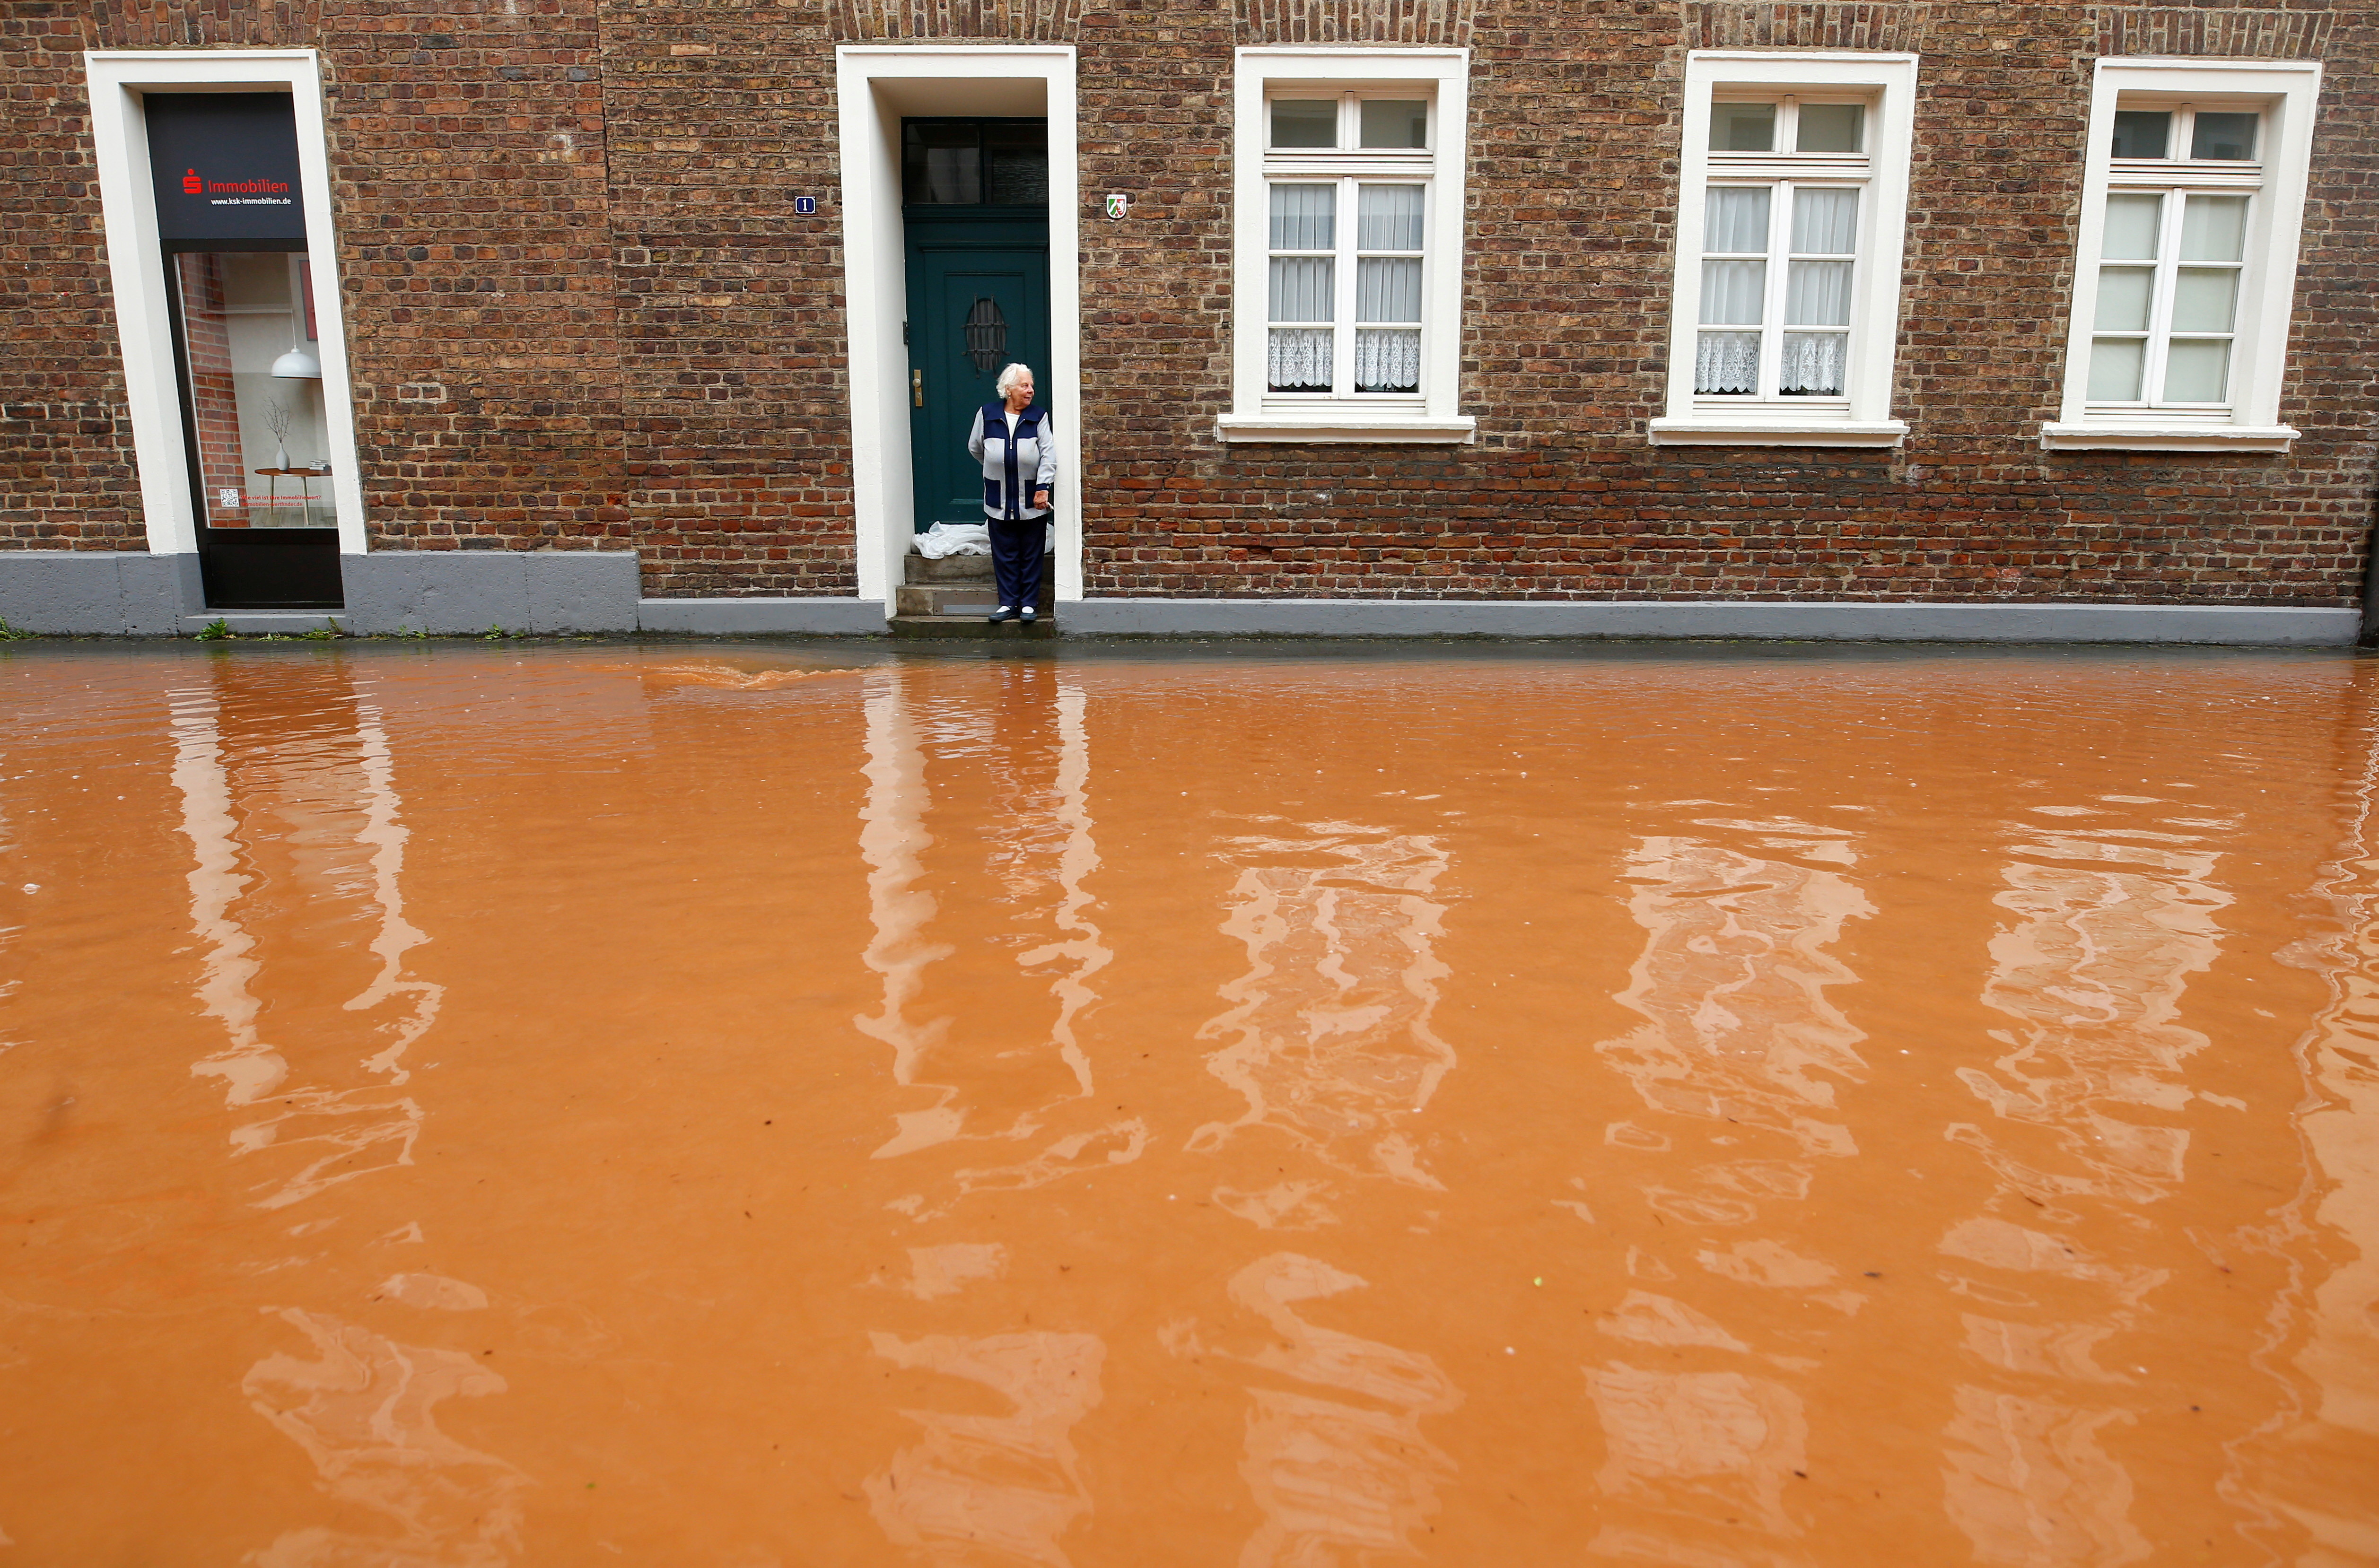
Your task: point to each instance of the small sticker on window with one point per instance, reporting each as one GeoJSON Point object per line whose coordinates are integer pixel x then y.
{"type": "Point", "coordinates": [228, 498]}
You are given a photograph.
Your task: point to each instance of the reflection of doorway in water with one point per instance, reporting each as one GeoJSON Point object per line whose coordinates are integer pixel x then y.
{"type": "Point", "coordinates": [974, 209]}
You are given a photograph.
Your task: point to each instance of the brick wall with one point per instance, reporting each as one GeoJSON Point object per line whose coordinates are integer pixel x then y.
{"type": "Point", "coordinates": [579, 315]}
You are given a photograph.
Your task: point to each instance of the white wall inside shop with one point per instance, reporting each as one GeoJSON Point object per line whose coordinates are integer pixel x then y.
{"type": "Point", "coordinates": [876, 85]}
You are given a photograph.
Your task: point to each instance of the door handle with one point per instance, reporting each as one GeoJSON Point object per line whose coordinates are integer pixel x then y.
{"type": "Point", "coordinates": [917, 388]}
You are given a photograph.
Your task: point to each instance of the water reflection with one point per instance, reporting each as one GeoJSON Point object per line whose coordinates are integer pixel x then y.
{"type": "Point", "coordinates": [1331, 1037]}
{"type": "Point", "coordinates": [2110, 924]}
{"type": "Point", "coordinates": [1346, 1477]}
{"type": "Point", "coordinates": [289, 802]}
{"type": "Point", "coordinates": [1742, 1053]}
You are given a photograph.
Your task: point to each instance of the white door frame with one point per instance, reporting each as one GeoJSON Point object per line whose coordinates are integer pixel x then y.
{"type": "Point", "coordinates": [135, 264]}
{"type": "Point", "coordinates": [876, 84]}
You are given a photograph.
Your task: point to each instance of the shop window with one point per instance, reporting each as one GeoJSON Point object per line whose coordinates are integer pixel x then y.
{"type": "Point", "coordinates": [1349, 195]}
{"type": "Point", "coordinates": [1788, 276]}
{"type": "Point", "coordinates": [2191, 214]}
{"type": "Point", "coordinates": [253, 379]}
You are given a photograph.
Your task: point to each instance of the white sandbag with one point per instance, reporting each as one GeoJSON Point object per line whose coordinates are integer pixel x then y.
{"type": "Point", "coordinates": [952, 538]}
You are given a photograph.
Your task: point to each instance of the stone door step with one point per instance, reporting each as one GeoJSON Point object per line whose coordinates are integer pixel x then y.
{"type": "Point", "coordinates": [966, 626]}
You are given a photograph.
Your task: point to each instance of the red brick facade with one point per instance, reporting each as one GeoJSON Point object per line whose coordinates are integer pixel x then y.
{"type": "Point", "coordinates": [579, 315]}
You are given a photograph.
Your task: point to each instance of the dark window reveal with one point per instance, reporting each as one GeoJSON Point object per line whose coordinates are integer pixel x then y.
{"type": "Point", "coordinates": [974, 163]}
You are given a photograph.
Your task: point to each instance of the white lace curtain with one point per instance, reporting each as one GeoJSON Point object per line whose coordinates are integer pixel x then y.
{"type": "Point", "coordinates": [1811, 364]}
{"type": "Point", "coordinates": [1387, 361]}
{"type": "Point", "coordinates": [1726, 362]}
{"type": "Point", "coordinates": [1297, 359]}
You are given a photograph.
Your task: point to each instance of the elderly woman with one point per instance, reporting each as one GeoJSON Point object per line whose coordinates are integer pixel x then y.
{"type": "Point", "coordinates": [1011, 438]}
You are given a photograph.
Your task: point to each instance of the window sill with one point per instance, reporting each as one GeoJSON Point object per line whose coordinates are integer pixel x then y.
{"type": "Point", "coordinates": [2146, 437]}
{"type": "Point", "coordinates": [1349, 426]}
{"type": "Point", "coordinates": [1778, 432]}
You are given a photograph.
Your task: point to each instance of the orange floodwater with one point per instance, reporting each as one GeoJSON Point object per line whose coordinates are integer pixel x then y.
{"type": "Point", "coordinates": [740, 1105]}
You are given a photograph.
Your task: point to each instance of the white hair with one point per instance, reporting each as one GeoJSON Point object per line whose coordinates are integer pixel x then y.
{"type": "Point", "coordinates": [1010, 377]}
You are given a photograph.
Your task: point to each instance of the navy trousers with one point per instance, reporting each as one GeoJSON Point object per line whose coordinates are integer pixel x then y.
{"type": "Point", "coordinates": [1015, 558]}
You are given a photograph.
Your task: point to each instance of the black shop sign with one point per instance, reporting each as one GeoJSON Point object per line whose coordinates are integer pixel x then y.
{"type": "Point", "coordinates": [226, 166]}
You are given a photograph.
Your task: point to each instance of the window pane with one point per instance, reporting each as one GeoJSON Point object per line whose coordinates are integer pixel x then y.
{"type": "Point", "coordinates": [2123, 296]}
{"type": "Point", "coordinates": [1811, 364]}
{"type": "Point", "coordinates": [2223, 136]}
{"type": "Point", "coordinates": [2143, 133]}
{"type": "Point", "coordinates": [1733, 293]}
{"type": "Point", "coordinates": [1305, 122]}
{"type": "Point", "coordinates": [1830, 127]}
{"type": "Point", "coordinates": [1387, 289]}
{"type": "Point", "coordinates": [1304, 217]}
{"type": "Point", "coordinates": [1388, 217]}
{"type": "Point", "coordinates": [1396, 122]}
{"type": "Point", "coordinates": [1825, 223]}
{"type": "Point", "coordinates": [1726, 363]}
{"type": "Point", "coordinates": [2204, 299]}
{"type": "Point", "coordinates": [2214, 228]}
{"type": "Point", "coordinates": [263, 439]}
{"type": "Point", "coordinates": [1016, 163]}
{"type": "Point", "coordinates": [1736, 220]}
{"type": "Point", "coordinates": [2195, 370]}
{"type": "Point", "coordinates": [1301, 288]}
{"type": "Point", "coordinates": [2132, 228]}
{"type": "Point", "coordinates": [1742, 127]}
{"type": "Point", "coordinates": [941, 163]}
{"type": "Point", "coordinates": [2115, 369]}
{"type": "Point", "coordinates": [1297, 359]}
{"type": "Point", "coordinates": [1387, 362]}
{"type": "Point", "coordinates": [1818, 293]}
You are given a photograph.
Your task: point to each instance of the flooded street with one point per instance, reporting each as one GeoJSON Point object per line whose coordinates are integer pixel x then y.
{"type": "Point", "coordinates": [750, 1105]}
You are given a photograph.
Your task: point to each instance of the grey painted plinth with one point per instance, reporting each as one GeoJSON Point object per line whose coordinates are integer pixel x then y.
{"type": "Point", "coordinates": [445, 591]}
{"type": "Point", "coordinates": [104, 593]}
{"type": "Point", "coordinates": [2245, 625]}
{"type": "Point", "coordinates": [743, 617]}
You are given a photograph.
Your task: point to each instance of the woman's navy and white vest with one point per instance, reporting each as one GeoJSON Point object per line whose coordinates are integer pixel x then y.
{"type": "Point", "coordinates": [1018, 458]}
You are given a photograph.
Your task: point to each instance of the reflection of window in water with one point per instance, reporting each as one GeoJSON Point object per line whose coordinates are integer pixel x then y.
{"type": "Point", "coordinates": [255, 388]}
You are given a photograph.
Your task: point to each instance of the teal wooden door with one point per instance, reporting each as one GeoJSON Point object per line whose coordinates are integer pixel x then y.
{"type": "Point", "coordinates": [978, 301]}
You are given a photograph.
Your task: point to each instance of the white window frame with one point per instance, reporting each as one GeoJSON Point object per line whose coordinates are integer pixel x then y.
{"type": "Point", "coordinates": [1432, 413]}
{"type": "Point", "coordinates": [137, 268]}
{"type": "Point", "coordinates": [1886, 83]}
{"type": "Point", "coordinates": [2286, 92]}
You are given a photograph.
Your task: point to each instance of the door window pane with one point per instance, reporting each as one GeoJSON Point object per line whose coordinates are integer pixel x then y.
{"type": "Point", "coordinates": [1742, 127]}
{"type": "Point", "coordinates": [1830, 127]}
{"type": "Point", "coordinates": [1735, 221]}
{"type": "Point", "coordinates": [2204, 299]}
{"type": "Point", "coordinates": [941, 163]}
{"type": "Point", "coordinates": [2214, 228]}
{"type": "Point", "coordinates": [255, 389]}
{"type": "Point", "coordinates": [1305, 122]}
{"type": "Point", "coordinates": [1016, 163]}
{"type": "Point", "coordinates": [1396, 122]}
{"type": "Point", "coordinates": [2115, 369]}
{"type": "Point", "coordinates": [2123, 296]}
{"type": "Point", "coordinates": [2131, 232]}
{"type": "Point", "coordinates": [2195, 369]}
{"type": "Point", "coordinates": [2223, 136]}
{"type": "Point", "coordinates": [2143, 133]}
{"type": "Point", "coordinates": [1304, 217]}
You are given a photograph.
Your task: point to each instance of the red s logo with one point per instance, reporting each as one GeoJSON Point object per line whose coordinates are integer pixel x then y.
{"type": "Point", "coordinates": [190, 184]}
